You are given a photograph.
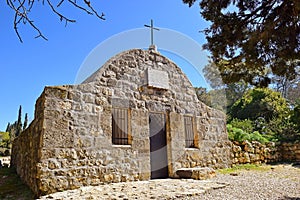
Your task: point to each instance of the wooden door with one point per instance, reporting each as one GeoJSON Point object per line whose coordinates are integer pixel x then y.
{"type": "Point", "coordinates": [158, 145]}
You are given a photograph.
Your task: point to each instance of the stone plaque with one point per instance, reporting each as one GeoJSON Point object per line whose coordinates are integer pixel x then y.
{"type": "Point", "coordinates": [157, 79]}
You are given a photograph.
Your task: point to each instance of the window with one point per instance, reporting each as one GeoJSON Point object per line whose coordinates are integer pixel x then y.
{"type": "Point", "coordinates": [189, 132]}
{"type": "Point", "coordinates": [120, 126]}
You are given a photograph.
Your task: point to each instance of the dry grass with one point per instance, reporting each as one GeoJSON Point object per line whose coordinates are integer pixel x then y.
{"type": "Point", "coordinates": [237, 168]}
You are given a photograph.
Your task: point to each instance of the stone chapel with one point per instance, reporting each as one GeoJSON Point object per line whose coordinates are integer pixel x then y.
{"type": "Point", "coordinates": [136, 118]}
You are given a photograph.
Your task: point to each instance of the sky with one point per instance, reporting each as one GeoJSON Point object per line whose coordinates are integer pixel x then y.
{"type": "Point", "coordinates": [26, 68]}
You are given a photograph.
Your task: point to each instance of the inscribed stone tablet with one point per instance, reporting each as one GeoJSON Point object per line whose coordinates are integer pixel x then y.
{"type": "Point", "coordinates": [158, 79]}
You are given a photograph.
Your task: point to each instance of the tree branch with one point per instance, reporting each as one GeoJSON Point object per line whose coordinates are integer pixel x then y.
{"type": "Point", "coordinates": [62, 17]}
{"type": "Point", "coordinates": [22, 11]}
{"type": "Point", "coordinates": [81, 8]}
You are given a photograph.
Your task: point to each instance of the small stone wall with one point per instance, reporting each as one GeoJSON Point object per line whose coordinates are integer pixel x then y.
{"type": "Point", "coordinates": [290, 152]}
{"type": "Point", "coordinates": [257, 153]}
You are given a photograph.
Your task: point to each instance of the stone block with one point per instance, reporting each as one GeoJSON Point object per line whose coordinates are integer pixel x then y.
{"type": "Point", "coordinates": [199, 173]}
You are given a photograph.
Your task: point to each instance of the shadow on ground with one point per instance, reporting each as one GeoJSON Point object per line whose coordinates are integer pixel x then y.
{"type": "Point", "coordinates": [11, 186]}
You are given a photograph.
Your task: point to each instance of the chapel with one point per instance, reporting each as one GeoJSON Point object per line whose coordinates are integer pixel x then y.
{"type": "Point", "coordinates": [136, 118]}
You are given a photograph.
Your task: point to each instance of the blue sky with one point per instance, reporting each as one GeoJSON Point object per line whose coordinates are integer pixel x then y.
{"type": "Point", "coordinates": [26, 68]}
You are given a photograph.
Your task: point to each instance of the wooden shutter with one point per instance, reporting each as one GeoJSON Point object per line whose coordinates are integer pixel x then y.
{"type": "Point", "coordinates": [120, 126]}
{"type": "Point", "coordinates": [189, 132]}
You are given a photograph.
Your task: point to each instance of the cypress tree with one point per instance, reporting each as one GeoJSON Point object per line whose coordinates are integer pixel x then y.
{"type": "Point", "coordinates": [25, 121]}
{"type": "Point", "coordinates": [8, 127]}
{"type": "Point", "coordinates": [19, 122]}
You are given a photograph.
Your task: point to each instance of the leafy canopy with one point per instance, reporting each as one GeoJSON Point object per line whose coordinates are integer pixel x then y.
{"type": "Point", "coordinates": [251, 39]}
{"type": "Point", "coordinates": [260, 103]}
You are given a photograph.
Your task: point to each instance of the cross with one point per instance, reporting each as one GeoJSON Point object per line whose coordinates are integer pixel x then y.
{"type": "Point", "coordinates": [152, 28]}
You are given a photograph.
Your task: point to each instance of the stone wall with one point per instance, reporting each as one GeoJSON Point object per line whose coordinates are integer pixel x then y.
{"type": "Point", "coordinates": [26, 151]}
{"type": "Point", "coordinates": [257, 153]}
{"type": "Point", "coordinates": [213, 149]}
{"type": "Point", "coordinates": [69, 143]}
{"type": "Point", "coordinates": [290, 151]}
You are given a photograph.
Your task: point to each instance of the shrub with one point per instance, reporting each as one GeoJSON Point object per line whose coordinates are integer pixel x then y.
{"type": "Point", "coordinates": [246, 124]}
{"type": "Point", "coordinates": [239, 135]}
{"type": "Point", "coordinates": [260, 102]}
{"type": "Point", "coordinates": [256, 136]}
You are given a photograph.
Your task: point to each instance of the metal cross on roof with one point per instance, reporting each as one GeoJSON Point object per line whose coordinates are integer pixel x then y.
{"type": "Point", "coordinates": [152, 28]}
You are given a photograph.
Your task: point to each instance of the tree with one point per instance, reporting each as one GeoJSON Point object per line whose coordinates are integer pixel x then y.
{"type": "Point", "coordinates": [212, 75]}
{"type": "Point", "coordinates": [16, 128]}
{"type": "Point", "coordinates": [254, 38]}
{"type": "Point", "coordinates": [232, 91]}
{"type": "Point", "coordinates": [25, 122]}
{"type": "Point", "coordinates": [235, 91]}
{"type": "Point", "coordinates": [19, 122]}
{"type": "Point", "coordinates": [288, 86]}
{"type": "Point", "coordinates": [203, 95]}
{"type": "Point", "coordinates": [23, 8]}
{"type": "Point", "coordinates": [213, 98]}
{"type": "Point", "coordinates": [260, 103]}
{"type": "Point", "coordinates": [4, 139]}
{"type": "Point", "coordinates": [293, 94]}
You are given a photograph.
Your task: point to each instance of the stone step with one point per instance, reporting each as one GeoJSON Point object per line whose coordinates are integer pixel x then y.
{"type": "Point", "coordinates": [197, 173]}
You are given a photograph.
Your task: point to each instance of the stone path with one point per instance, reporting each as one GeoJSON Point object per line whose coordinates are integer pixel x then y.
{"type": "Point", "coordinates": [281, 182]}
{"type": "Point", "coordinates": [153, 189]}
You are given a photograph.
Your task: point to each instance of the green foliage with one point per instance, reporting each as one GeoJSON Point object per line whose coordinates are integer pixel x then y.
{"type": "Point", "coordinates": [19, 122]}
{"type": "Point", "coordinates": [260, 102]}
{"type": "Point", "coordinates": [4, 144]}
{"type": "Point", "coordinates": [235, 91]}
{"type": "Point", "coordinates": [239, 135]}
{"type": "Point", "coordinates": [25, 122]}
{"type": "Point", "coordinates": [4, 139]}
{"type": "Point", "coordinates": [246, 125]}
{"type": "Point", "coordinates": [16, 128]}
{"type": "Point", "coordinates": [256, 136]}
{"type": "Point", "coordinates": [283, 130]}
{"type": "Point", "coordinates": [295, 118]}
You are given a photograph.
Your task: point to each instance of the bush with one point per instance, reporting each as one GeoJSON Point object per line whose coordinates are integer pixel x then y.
{"type": "Point", "coordinates": [256, 136]}
{"type": "Point", "coordinates": [246, 124]}
{"type": "Point", "coordinates": [260, 102]}
{"type": "Point", "coordinates": [237, 134]}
